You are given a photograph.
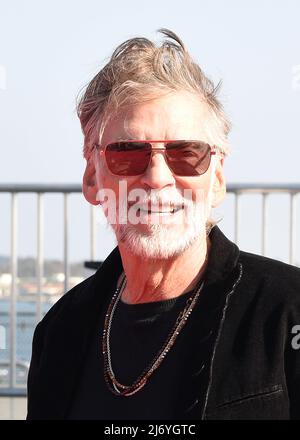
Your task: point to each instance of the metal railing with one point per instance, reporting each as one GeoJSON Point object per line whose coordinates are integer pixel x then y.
{"type": "Point", "coordinates": [40, 190]}
{"type": "Point", "coordinates": [65, 190]}
{"type": "Point", "coordinates": [265, 190]}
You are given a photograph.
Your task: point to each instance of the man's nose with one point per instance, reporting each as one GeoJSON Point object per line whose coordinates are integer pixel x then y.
{"type": "Point", "coordinates": [158, 173]}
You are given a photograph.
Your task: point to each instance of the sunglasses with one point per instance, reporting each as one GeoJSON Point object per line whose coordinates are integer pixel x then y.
{"type": "Point", "coordinates": [132, 158]}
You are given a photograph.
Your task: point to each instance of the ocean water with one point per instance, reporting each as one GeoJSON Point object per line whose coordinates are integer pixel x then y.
{"type": "Point", "coordinates": [26, 322]}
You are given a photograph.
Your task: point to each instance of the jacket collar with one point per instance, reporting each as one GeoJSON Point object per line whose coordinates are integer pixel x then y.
{"type": "Point", "coordinates": [223, 257]}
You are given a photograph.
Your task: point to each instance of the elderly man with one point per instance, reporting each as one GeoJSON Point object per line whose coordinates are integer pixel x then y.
{"type": "Point", "coordinates": [177, 323]}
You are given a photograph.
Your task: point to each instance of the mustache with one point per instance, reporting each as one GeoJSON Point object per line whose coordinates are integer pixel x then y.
{"type": "Point", "coordinates": [160, 199]}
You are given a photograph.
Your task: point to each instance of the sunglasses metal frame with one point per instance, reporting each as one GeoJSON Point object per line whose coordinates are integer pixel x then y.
{"type": "Point", "coordinates": [213, 151]}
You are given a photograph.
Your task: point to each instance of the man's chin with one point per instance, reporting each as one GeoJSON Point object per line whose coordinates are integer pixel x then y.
{"type": "Point", "coordinates": [152, 251]}
{"type": "Point", "coordinates": [156, 241]}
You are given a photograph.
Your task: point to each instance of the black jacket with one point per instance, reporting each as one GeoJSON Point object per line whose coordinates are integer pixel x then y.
{"type": "Point", "coordinates": [254, 369]}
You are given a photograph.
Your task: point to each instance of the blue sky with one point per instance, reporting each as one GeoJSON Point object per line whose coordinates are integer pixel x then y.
{"type": "Point", "coordinates": [49, 51]}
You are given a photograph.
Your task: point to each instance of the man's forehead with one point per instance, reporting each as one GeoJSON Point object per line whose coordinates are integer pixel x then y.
{"type": "Point", "coordinates": [175, 117]}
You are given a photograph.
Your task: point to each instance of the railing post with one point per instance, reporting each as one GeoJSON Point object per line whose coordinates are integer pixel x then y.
{"type": "Point", "coordinates": [236, 217]}
{"type": "Point", "coordinates": [93, 232]}
{"type": "Point", "coordinates": [40, 254]}
{"type": "Point", "coordinates": [13, 293]}
{"type": "Point", "coordinates": [292, 228]}
{"type": "Point", "coordinates": [66, 244]}
{"type": "Point", "coordinates": [264, 223]}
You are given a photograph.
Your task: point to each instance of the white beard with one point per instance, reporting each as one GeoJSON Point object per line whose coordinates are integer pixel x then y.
{"type": "Point", "coordinates": [162, 241]}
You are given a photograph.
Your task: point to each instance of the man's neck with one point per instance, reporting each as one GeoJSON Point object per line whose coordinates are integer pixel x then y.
{"type": "Point", "coordinates": [151, 280]}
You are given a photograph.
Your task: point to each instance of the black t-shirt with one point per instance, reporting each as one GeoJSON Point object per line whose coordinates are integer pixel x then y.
{"type": "Point", "coordinates": [138, 332]}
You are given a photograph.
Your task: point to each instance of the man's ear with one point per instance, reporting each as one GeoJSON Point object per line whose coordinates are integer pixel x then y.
{"type": "Point", "coordinates": [89, 183]}
{"type": "Point", "coordinates": [219, 186]}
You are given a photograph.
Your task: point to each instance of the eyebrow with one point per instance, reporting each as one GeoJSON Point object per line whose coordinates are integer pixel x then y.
{"type": "Point", "coordinates": [130, 138]}
{"type": "Point", "coordinates": [122, 139]}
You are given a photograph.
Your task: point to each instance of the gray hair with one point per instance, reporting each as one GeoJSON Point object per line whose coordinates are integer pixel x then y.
{"type": "Point", "coordinates": [139, 70]}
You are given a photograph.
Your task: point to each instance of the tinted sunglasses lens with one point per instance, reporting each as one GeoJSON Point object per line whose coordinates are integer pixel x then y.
{"type": "Point", "coordinates": [128, 158]}
{"type": "Point", "coordinates": [188, 158]}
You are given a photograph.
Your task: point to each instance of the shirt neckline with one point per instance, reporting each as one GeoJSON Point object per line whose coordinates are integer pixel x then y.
{"type": "Point", "coordinates": [153, 306]}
